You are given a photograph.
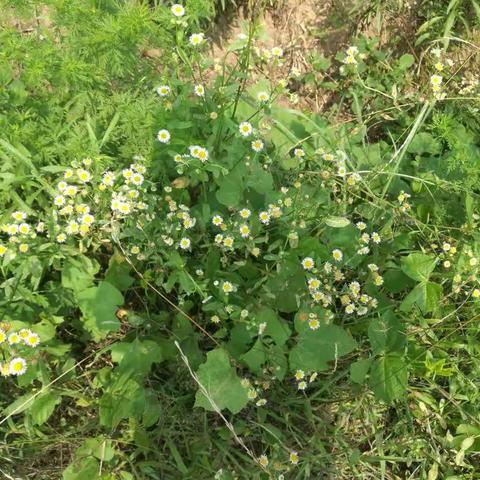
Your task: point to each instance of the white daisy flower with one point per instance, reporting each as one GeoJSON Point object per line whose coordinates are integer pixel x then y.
{"type": "Point", "coordinates": [163, 136]}
{"type": "Point", "coordinates": [277, 52]}
{"type": "Point", "coordinates": [17, 366]}
{"type": "Point", "coordinates": [178, 10]}
{"type": "Point", "coordinates": [184, 243]}
{"type": "Point", "coordinates": [245, 129]}
{"type": "Point", "coordinates": [337, 255]}
{"type": "Point", "coordinates": [196, 39]}
{"type": "Point", "coordinates": [263, 97]}
{"type": "Point", "coordinates": [308, 263]}
{"type": "Point", "coordinates": [163, 90]}
{"type": "Point", "coordinates": [257, 146]}
{"type": "Point", "coordinates": [199, 90]}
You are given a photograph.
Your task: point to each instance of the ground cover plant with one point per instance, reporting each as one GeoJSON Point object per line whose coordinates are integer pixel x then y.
{"type": "Point", "coordinates": [202, 279]}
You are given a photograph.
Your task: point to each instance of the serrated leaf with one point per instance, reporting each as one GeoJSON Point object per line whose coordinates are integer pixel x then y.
{"type": "Point", "coordinates": [118, 273]}
{"type": "Point", "coordinates": [137, 356]}
{"type": "Point", "coordinates": [260, 180]}
{"type": "Point", "coordinates": [221, 382]}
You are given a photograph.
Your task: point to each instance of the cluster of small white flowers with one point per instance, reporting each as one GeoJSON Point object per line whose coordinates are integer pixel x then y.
{"type": "Point", "coordinates": [302, 383]}
{"type": "Point", "coordinates": [238, 227]}
{"type": "Point", "coordinates": [20, 233]}
{"type": "Point", "coordinates": [195, 151]}
{"type": "Point", "coordinates": [75, 217]}
{"type": "Point", "coordinates": [267, 54]}
{"type": "Point", "coordinates": [17, 365]}
{"type": "Point", "coordinates": [179, 223]}
{"type": "Point", "coordinates": [327, 283]}
{"type": "Point", "coordinates": [350, 56]}
{"type": "Point", "coordinates": [403, 201]}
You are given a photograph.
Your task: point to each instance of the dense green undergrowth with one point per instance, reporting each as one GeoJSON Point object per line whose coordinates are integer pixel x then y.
{"type": "Point", "coordinates": [198, 281]}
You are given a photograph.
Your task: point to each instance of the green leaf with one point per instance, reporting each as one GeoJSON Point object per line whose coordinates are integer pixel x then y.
{"type": "Point", "coordinates": [386, 334]}
{"type": "Point", "coordinates": [395, 281]}
{"type": "Point", "coordinates": [82, 469]}
{"type": "Point", "coordinates": [260, 180]}
{"type": "Point", "coordinates": [418, 266]}
{"type": "Point", "coordinates": [426, 295]}
{"type": "Point", "coordinates": [424, 142]}
{"type": "Point", "coordinates": [388, 377]}
{"type": "Point", "coordinates": [43, 407]}
{"type": "Point", "coordinates": [276, 328]}
{"type": "Point", "coordinates": [99, 305]}
{"type": "Point", "coordinates": [118, 273]}
{"type": "Point", "coordinates": [359, 370]}
{"type": "Point", "coordinates": [231, 187]}
{"type": "Point", "coordinates": [316, 348]}
{"type": "Point", "coordinates": [78, 273]}
{"type": "Point", "coordinates": [21, 404]}
{"type": "Point", "coordinates": [137, 356]}
{"type": "Point", "coordinates": [255, 357]}
{"type": "Point", "coordinates": [221, 382]}
{"type": "Point", "coordinates": [124, 398]}
{"type": "Point", "coordinates": [98, 447]}
{"type": "Point", "coordinates": [406, 61]}
{"type": "Point", "coordinates": [337, 222]}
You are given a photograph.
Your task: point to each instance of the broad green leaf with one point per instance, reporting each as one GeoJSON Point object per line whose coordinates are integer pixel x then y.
{"type": "Point", "coordinates": [316, 348]}
{"type": "Point", "coordinates": [418, 266]}
{"type": "Point", "coordinates": [82, 469]}
{"type": "Point", "coordinates": [99, 447]}
{"type": "Point", "coordinates": [21, 404]}
{"type": "Point", "coordinates": [260, 180]}
{"type": "Point", "coordinates": [386, 334]}
{"type": "Point", "coordinates": [221, 382]}
{"type": "Point", "coordinates": [395, 281]}
{"type": "Point", "coordinates": [43, 407]}
{"type": "Point", "coordinates": [240, 340]}
{"type": "Point", "coordinates": [255, 357]}
{"type": "Point", "coordinates": [153, 408]}
{"type": "Point", "coordinates": [78, 273]}
{"type": "Point", "coordinates": [118, 273]}
{"type": "Point", "coordinates": [278, 361]}
{"type": "Point", "coordinates": [406, 61]}
{"type": "Point", "coordinates": [124, 398]}
{"type": "Point", "coordinates": [426, 295]}
{"type": "Point", "coordinates": [276, 328]}
{"type": "Point", "coordinates": [99, 305]}
{"type": "Point", "coordinates": [359, 370]}
{"type": "Point", "coordinates": [231, 187]}
{"type": "Point", "coordinates": [424, 142]}
{"type": "Point", "coordinates": [137, 356]}
{"type": "Point", "coordinates": [388, 377]}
